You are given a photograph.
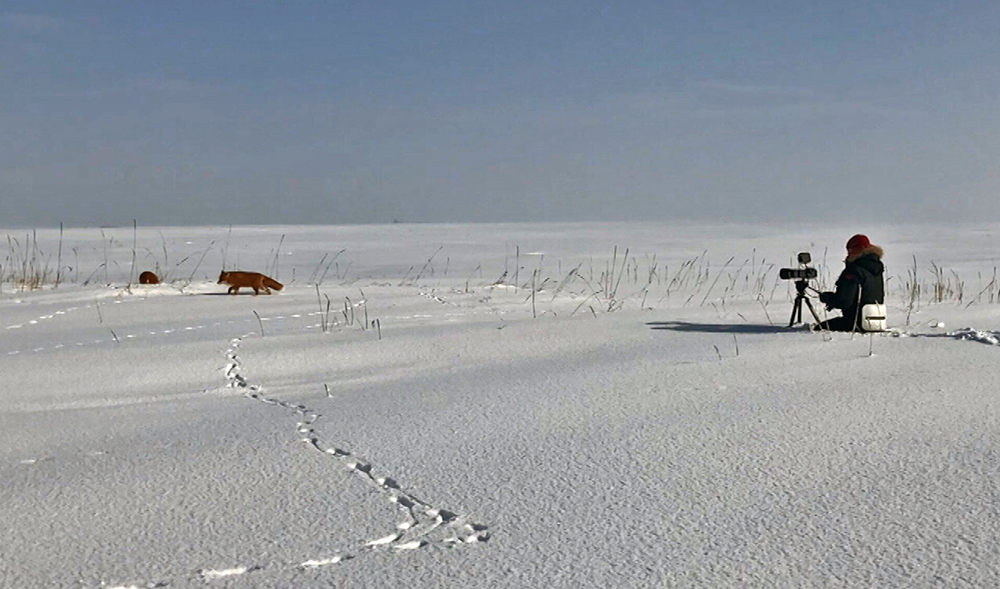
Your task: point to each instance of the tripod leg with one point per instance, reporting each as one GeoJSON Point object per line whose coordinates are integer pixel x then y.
{"type": "Point", "coordinates": [811, 310]}
{"type": "Point", "coordinates": [796, 312]}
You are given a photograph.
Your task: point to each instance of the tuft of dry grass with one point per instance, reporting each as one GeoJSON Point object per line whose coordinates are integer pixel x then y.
{"type": "Point", "coordinates": [27, 265]}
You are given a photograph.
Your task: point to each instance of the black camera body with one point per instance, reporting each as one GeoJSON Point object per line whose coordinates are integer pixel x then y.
{"type": "Point", "coordinates": [805, 272]}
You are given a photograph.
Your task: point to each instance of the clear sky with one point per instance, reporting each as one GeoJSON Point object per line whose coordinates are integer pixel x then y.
{"type": "Point", "coordinates": [194, 112]}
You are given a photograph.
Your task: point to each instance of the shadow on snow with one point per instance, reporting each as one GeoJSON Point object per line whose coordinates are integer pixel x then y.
{"type": "Point", "coordinates": [718, 327]}
{"type": "Point", "coordinates": [226, 294]}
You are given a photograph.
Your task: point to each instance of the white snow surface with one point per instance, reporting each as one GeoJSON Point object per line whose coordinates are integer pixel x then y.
{"type": "Point", "coordinates": [497, 406]}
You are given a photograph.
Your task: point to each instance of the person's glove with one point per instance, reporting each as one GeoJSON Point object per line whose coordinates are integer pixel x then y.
{"type": "Point", "coordinates": [827, 299]}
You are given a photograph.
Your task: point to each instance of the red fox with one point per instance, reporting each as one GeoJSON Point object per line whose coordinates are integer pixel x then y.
{"type": "Point", "coordinates": [148, 277]}
{"type": "Point", "coordinates": [254, 280]}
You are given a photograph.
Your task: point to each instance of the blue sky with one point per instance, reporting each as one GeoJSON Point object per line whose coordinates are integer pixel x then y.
{"type": "Point", "coordinates": [349, 112]}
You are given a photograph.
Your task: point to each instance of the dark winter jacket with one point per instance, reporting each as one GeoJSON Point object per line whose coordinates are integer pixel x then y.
{"type": "Point", "coordinates": [862, 271]}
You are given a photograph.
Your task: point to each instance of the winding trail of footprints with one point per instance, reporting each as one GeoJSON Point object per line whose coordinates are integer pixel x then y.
{"type": "Point", "coordinates": [248, 321]}
{"type": "Point", "coordinates": [132, 336]}
{"type": "Point", "coordinates": [41, 318]}
{"type": "Point", "coordinates": [423, 524]}
{"type": "Point", "coordinates": [421, 517]}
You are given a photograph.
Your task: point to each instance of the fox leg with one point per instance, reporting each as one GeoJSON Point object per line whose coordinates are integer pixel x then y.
{"type": "Point", "coordinates": [234, 290]}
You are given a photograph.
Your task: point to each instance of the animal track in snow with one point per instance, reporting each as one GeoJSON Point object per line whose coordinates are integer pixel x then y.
{"type": "Point", "coordinates": [209, 575]}
{"type": "Point", "coordinates": [135, 336]}
{"type": "Point", "coordinates": [987, 337]}
{"type": "Point", "coordinates": [422, 517]}
{"type": "Point", "coordinates": [991, 338]}
{"type": "Point", "coordinates": [424, 524]}
{"type": "Point", "coordinates": [78, 453]}
{"type": "Point", "coordinates": [321, 562]}
{"type": "Point", "coordinates": [52, 315]}
{"type": "Point", "coordinates": [122, 337]}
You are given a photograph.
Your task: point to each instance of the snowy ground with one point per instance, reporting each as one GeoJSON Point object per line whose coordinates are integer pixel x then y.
{"type": "Point", "coordinates": [495, 405]}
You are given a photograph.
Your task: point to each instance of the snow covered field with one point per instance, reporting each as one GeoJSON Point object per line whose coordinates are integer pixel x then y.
{"type": "Point", "coordinates": [579, 405]}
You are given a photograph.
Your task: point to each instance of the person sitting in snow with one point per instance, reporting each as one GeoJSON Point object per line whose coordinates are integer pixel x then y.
{"type": "Point", "coordinates": [862, 270]}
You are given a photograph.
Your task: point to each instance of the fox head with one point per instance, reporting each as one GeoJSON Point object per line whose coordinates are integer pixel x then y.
{"type": "Point", "coordinates": [223, 276]}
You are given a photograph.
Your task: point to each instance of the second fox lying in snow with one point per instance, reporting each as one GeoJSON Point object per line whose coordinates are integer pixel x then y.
{"type": "Point", "coordinates": [255, 280]}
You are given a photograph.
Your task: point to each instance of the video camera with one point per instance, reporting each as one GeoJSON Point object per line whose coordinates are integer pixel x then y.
{"type": "Point", "coordinates": [801, 276]}
{"type": "Point", "coordinates": [805, 272]}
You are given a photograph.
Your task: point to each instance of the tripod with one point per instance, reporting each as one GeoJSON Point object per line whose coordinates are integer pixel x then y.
{"type": "Point", "coordinates": [800, 288]}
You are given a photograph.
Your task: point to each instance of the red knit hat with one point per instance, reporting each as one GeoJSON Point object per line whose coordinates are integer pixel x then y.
{"type": "Point", "coordinates": [858, 243]}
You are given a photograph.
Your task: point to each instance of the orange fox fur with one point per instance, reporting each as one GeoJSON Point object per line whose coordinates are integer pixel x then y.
{"type": "Point", "coordinates": [255, 280]}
